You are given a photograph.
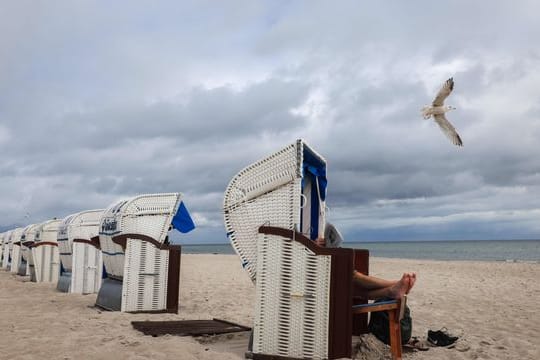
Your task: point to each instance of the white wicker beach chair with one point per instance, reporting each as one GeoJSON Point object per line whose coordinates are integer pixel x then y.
{"type": "Point", "coordinates": [273, 211]}
{"type": "Point", "coordinates": [286, 189]}
{"type": "Point", "coordinates": [16, 250]}
{"type": "Point", "coordinates": [6, 261]}
{"type": "Point", "coordinates": [45, 255]}
{"type": "Point", "coordinates": [80, 256]}
{"type": "Point", "coordinates": [27, 239]}
{"type": "Point", "coordinates": [143, 269]}
{"type": "Point", "coordinates": [3, 236]}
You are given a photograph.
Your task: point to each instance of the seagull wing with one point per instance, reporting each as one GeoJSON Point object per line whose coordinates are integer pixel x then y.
{"type": "Point", "coordinates": [446, 89]}
{"type": "Point", "coordinates": [448, 129]}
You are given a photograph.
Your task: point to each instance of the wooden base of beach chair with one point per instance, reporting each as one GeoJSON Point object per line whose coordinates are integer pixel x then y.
{"type": "Point", "coordinates": [395, 309]}
{"type": "Point", "coordinates": [361, 264]}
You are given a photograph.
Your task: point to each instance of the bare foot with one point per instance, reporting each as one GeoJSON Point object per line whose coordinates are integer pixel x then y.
{"type": "Point", "coordinates": [412, 280]}
{"type": "Point", "coordinates": [401, 287]}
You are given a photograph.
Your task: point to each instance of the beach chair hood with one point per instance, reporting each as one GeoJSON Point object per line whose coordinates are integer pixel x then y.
{"type": "Point", "coordinates": [286, 189]}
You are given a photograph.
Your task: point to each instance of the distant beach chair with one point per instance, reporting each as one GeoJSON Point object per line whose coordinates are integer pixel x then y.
{"type": "Point", "coordinates": [45, 259]}
{"type": "Point", "coordinates": [16, 250]}
{"type": "Point", "coordinates": [143, 268]}
{"type": "Point", "coordinates": [6, 246]}
{"type": "Point", "coordinates": [273, 211]}
{"type": "Point", "coordinates": [27, 239]}
{"type": "Point", "coordinates": [3, 236]}
{"type": "Point", "coordinates": [80, 254]}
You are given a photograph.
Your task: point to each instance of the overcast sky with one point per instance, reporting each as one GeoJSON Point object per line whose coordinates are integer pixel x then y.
{"type": "Point", "coordinates": [101, 100]}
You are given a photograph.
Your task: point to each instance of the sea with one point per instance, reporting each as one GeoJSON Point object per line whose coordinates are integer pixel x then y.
{"type": "Point", "coordinates": [480, 250]}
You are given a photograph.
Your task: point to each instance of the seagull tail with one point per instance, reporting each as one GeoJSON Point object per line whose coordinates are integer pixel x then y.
{"type": "Point", "coordinates": [426, 112]}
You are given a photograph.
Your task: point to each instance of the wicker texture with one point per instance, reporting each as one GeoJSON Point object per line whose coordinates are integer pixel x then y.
{"type": "Point", "coordinates": [15, 250]}
{"type": "Point", "coordinates": [87, 269]}
{"type": "Point", "coordinates": [268, 192]}
{"type": "Point", "coordinates": [29, 234]}
{"type": "Point", "coordinates": [145, 277]}
{"type": "Point", "coordinates": [292, 299]}
{"type": "Point", "coordinates": [2, 237]}
{"type": "Point", "coordinates": [6, 249]}
{"type": "Point", "coordinates": [45, 258]}
{"type": "Point", "coordinates": [64, 243]}
{"type": "Point", "coordinates": [149, 215]}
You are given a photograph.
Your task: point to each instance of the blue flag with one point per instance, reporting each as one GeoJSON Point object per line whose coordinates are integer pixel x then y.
{"type": "Point", "coordinates": [182, 220]}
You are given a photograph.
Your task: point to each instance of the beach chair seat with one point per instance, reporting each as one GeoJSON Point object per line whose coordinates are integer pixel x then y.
{"type": "Point", "coordinates": [143, 268]}
{"type": "Point", "coordinates": [80, 254]}
{"type": "Point", "coordinates": [44, 255]}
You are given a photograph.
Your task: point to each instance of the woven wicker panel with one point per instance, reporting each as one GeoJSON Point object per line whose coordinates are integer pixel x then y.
{"type": "Point", "coordinates": [46, 263]}
{"type": "Point", "coordinates": [86, 224]}
{"type": "Point", "coordinates": [87, 269]}
{"type": "Point", "coordinates": [266, 192]}
{"type": "Point", "coordinates": [5, 249]}
{"type": "Point", "coordinates": [145, 277]}
{"type": "Point", "coordinates": [29, 234]}
{"type": "Point", "coordinates": [277, 208]}
{"type": "Point", "coordinates": [15, 236]}
{"type": "Point", "coordinates": [15, 258]}
{"type": "Point", "coordinates": [2, 237]}
{"type": "Point", "coordinates": [292, 297]}
{"type": "Point", "coordinates": [109, 226]}
{"type": "Point", "coordinates": [49, 231]}
{"type": "Point", "coordinates": [64, 243]}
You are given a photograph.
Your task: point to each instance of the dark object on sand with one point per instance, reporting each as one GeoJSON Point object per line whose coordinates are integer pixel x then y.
{"type": "Point", "coordinates": [441, 337]}
{"type": "Point", "coordinates": [188, 327]}
{"type": "Point", "coordinates": [378, 324]}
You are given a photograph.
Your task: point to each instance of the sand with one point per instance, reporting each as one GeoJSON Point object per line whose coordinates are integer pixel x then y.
{"type": "Point", "coordinates": [493, 306]}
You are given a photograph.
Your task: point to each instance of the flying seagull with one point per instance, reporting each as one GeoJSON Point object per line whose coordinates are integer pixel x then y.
{"type": "Point", "coordinates": [437, 110]}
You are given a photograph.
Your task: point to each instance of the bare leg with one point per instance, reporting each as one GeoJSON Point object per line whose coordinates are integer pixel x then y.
{"type": "Point", "coordinates": [372, 282]}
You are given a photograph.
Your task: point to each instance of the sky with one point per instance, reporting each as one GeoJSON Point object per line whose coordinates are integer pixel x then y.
{"type": "Point", "coordinates": [103, 100]}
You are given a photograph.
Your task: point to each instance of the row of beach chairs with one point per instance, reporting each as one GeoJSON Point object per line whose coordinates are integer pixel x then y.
{"type": "Point", "coordinates": [306, 304]}
{"type": "Point", "coordinates": [122, 253]}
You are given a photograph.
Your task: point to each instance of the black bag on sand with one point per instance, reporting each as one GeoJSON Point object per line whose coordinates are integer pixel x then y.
{"type": "Point", "coordinates": [378, 325]}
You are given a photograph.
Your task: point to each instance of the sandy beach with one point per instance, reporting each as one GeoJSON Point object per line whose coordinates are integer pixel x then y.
{"type": "Point", "coordinates": [493, 306]}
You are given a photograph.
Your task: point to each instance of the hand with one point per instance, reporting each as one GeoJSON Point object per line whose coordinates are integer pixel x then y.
{"type": "Point", "coordinates": [320, 242]}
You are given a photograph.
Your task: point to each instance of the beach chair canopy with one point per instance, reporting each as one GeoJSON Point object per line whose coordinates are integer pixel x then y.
{"type": "Point", "coordinates": [150, 215]}
{"type": "Point", "coordinates": [286, 189]}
